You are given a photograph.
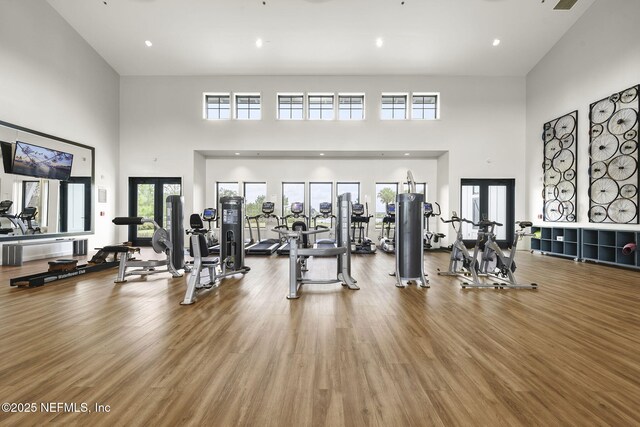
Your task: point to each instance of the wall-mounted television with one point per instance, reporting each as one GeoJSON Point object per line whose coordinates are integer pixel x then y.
{"type": "Point", "coordinates": [41, 162]}
{"type": "Point", "coordinates": [7, 156]}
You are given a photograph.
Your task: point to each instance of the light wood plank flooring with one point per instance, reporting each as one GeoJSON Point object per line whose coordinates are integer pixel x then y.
{"type": "Point", "coordinates": [565, 354]}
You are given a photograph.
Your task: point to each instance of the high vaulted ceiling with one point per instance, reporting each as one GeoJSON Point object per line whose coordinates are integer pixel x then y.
{"type": "Point", "coordinates": [320, 37]}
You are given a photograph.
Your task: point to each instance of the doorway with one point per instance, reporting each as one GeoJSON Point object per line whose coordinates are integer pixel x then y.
{"type": "Point", "coordinates": [148, 199]}
{"type": "Point", "coordinates": [75, 204]}
{"type": "Point", "coordinates": [491, 199]}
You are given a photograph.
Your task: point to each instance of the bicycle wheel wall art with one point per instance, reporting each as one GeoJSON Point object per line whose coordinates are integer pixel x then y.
{"type": "Point", "coordinates": [613, 158]}
{"type": "Point", "coordinates": [560, 138]}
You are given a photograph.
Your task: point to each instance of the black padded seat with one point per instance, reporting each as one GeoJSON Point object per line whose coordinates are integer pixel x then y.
{"type": "Point", "coordinates": [118, 249]}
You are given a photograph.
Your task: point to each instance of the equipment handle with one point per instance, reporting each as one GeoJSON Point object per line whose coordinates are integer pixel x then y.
{"type": "Point", "coordinates": [128, 220]}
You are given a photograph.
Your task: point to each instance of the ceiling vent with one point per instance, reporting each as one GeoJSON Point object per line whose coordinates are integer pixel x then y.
{"type": "Point", "coordinates": [565, 4]}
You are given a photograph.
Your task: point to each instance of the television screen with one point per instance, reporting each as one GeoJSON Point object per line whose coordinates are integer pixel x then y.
{"type": "Point", "coordinates": [7, 156]}
{"type": "Point", "coordinates": [33, 160]}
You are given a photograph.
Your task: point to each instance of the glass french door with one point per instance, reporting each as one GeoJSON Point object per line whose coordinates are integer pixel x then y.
{"type": "Point", "coordinates": [148, 199]}
{"type": "Point", "coordinates": [491, 199]}
{"type": "Point", "coordinates": [75, 204]}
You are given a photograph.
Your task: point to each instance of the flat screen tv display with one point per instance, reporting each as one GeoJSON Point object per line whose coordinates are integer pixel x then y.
{"type": "Point", "coordinates": [7, 156]}
{"type": "Point", "coordinates": [41, 162]}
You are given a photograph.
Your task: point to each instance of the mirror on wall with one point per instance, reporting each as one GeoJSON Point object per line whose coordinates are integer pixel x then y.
{"type": "Point", "coordinates": [46, 185]}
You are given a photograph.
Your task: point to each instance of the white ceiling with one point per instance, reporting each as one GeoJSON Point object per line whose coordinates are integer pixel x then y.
{"type": "Point", "coordinates": [311, 154]}
{"type": "Point", "coordinates": [320, 37]}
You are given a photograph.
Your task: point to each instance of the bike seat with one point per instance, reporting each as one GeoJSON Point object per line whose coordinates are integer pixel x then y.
{"type": "Point", "coordinates": [524, 224]}
{"type": "Point", "coordinates": [487, 223]}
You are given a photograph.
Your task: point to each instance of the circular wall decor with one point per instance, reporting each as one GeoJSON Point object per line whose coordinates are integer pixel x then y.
{"type": "Point", "coordinates": [613, 157]}
{"type": "Point", "coordinates": [560, 158]}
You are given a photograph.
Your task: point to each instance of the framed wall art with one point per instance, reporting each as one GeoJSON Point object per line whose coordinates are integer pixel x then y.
{"type": "Point", "coordinates": [560, 138]}
{"type": "Point", "coordinates": [613, 157]}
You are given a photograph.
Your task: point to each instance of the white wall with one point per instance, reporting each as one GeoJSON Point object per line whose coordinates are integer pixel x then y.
{"type": "Point", "coordinates": [52, 81]}
{"type": "Point", "coordinates": [482, 125]}
{"type": "Point", "coordinates": [598, 56]}
{"type": "Point", "coordinates": [365, 171]}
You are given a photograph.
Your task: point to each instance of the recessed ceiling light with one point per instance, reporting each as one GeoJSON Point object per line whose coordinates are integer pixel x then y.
{"type": "Point", "coordinates": [379, 42]}
{"type": "Point", "coordinates": [237, 154]}
{"type": "Point", "coordinates": [259, 43]}
{"type": "Point", "coordinates": [496, 42]}
{"type": "Point", "coordinates": [322, 154]}
{"type": "Point", "coordinates": [148, 43]}
{"type": "Point", "coordinates": [406, 154]}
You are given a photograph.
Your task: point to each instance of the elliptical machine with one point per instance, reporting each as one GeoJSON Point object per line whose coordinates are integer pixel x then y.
{"type": "Point", "coordinates": [387, 241]}
{"type": "Point", "coordinates": [431, 239]}
{"type": "Point", "coordinates": [28, 218]}
{"type": "Point", "coordinates": [360, 243]}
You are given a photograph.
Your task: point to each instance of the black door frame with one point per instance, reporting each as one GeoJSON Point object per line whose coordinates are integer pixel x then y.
{"type": "Point", "coordinates": [64, 198]}
{"type": "Point", "coordinates": [158, 182]}
{"type": "Point", "coordinates": [484, 185]}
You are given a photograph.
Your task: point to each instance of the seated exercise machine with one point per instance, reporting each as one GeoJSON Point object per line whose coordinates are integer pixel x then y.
{"type": "Point", "coordinates": [298, 254]}
{"type": "Point", "coordinates": [266, 246]}
{"type": "Point", "coordinates": [360, 243]}
{"type": "Point", "coordinates": [297, 209]}
{"type": "Point", "coordinates": [196, 222]}
{"type": "Point", "coordinates": [326, 213]}
{"type": "Point", "coordinates": [409, 233]}
{"type": "Point", "coordinates": [387, 240]}
{"type": "Point", "coordinates": [170, 243]}
{"type": "Point", "coordinates": [497, 266]}
{"type": "Point", "coordinates": [231, 261]}
{"type": "Point", "coordinates": [431, 239]}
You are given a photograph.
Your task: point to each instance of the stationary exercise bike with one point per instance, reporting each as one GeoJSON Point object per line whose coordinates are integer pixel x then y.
{"type": "Point", "coordinates": [431, 239]}
{"type": "Point", "coordinates": [462, 263]}
{"type": "Point", "coordinates": [387, 240]}
{"type": "Point", "coordinates": [495, 264]}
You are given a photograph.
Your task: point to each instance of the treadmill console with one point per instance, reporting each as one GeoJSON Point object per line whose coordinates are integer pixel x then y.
{"type": "Point", "coordinates": [428, 209]}
{"type": "Point", "coordinates": [325, 208]}
{"type": "Point", "coordinates": [297, 208]}
{"type": "Point", "coordinates": [5, 205]}
{"type": "Point", "coordinates": [391, 209]}
{"type": "Point", "coordinates": [209, 214]}
{"type": "Point", "coordinates": [268, 208]}
{"type": "Point", "coordinates": [357, 209]}
{"type": "Point", "coordinates": [29, 213]}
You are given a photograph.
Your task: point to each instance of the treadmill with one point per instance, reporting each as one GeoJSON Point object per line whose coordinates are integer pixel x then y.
{"type": "Point", "coordinates": [266, 246]}
{"type": "Point", "coordinates": [297, 209]}
{"type": "Point", "coordinates": [326, 213]}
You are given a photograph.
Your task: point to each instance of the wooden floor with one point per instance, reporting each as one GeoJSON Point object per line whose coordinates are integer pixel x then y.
{"type": "Point", "coordinates": [565, 354]}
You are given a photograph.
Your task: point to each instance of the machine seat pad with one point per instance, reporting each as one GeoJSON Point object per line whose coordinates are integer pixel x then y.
{"type": "Point", "coordinates": [117, 248]}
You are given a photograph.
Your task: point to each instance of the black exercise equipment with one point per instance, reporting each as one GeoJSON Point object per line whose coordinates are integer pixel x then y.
{"type": "Point", "coordinates": [360, 243]}
{"type": "Point", "coordinates": [325, 212]}
{"type": "Point", "coordinates": [297, 209]}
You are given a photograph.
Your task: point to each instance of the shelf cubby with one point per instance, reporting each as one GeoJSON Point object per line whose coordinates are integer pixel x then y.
{"type": "Point", "coordinates": [605, 246]}
{"type": "Point", "coordinates": [590, 252]}
{"type": "Point", "coordinates": [561, 241]}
